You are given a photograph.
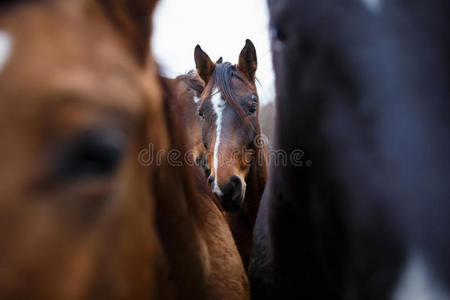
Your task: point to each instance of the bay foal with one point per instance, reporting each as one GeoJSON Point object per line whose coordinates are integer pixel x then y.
{"type": "Point", "coordinates": [236, 151]}
{"type": "Point", "coordinates": [82, 215]}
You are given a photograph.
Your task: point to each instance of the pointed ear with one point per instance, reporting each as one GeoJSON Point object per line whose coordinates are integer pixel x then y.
{"type": "Point", "coordinates": [248, 61]}
{"type": "Point", "coordinates": [203, 63]}
{"type": "Point", "coordinates": [132, 19]}
{"type": "Point", "coordinates": [219, 61]}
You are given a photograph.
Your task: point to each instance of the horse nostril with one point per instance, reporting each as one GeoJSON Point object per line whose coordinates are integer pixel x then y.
{"type": "Point", "coordinates": [210, 180]}
{"type": "Point", "coordinates": [235, 181]}
{"type": "Point", "coordinates": [232, 196]}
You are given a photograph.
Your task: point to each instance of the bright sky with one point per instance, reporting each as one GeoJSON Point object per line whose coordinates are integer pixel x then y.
{"type": "Point", "coordinates": [220, 28]}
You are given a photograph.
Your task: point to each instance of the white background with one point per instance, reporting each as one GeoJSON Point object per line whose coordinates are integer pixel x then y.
{"type": "Point", "coordinates": [220, 28]}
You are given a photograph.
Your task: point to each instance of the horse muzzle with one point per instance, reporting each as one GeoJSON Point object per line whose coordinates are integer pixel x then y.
{"type": "Point", "coordinates": [232, 194]}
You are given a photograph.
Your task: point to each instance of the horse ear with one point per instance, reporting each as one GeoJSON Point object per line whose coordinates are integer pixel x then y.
{"type": "Point", "coordinates": [248, 61]}
{"type": "Point", "coordinates": [132, 18]}
{"type": "Point", "coordinates": [219, 61]}
{"type": "Point", "coordinates": [203, 63]}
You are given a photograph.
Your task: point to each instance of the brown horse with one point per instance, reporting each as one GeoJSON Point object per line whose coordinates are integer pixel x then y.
{"type": "Point", "coordinates": [232, 137]}
{"type": "Point", "coordinates": [80, 216]}
{"type": "Point", "coordinates": [188, 89]}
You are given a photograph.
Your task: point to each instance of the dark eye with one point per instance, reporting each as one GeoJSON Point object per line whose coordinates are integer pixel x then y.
{"type": "Point", "coordinates": [200, 113]}
{"type": "Point", "coordinates": [90, 155]}
{"type": "Point", "coordinates": [253, 108]}
{"type": "Point", "coordinates": [278, 34]}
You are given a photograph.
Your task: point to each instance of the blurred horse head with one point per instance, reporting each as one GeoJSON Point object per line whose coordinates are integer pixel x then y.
{"type": "Point", "coordinates": [82, 215]}
{"type": "Point", "coordinates": [76, 83]}
{"type": "Point", "coordinates": [362, 90]}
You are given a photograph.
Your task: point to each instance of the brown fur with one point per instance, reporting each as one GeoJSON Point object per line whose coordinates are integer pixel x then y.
{"type": "Point", "coordinates": [225, 276]}
{"type": "Point", "coordinates": [132, 232]}
{"type": "Point", "coordinates": [187, 87]}
{"type": "Point", "coordinates": [237, 87]}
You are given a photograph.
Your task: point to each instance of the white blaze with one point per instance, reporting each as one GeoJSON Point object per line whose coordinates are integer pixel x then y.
{"type": "Point", "coordinates": [218, 106]}
{"type": "Point", "coordinates": [418, 283]}
{"type": "Point", "coordinates": [5, 48]}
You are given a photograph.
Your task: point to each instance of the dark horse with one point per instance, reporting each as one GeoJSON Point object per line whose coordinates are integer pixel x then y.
{"type": "Point", "coordinates": [232, 137]}
{"type": "Point", "coordinates": [83, 214]}
{"type": "Point", "coordinates": [362, 89]}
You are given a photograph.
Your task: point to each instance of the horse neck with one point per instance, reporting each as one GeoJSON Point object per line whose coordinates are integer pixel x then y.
{"type": "Point", "coordinates": [256, 181]}
{"type": "Point", "coordinates": [178, 214]}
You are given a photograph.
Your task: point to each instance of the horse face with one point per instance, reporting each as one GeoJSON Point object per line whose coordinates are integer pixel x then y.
{"type": "Point", "coordinates": [229, 113]}
{"type": "Point", "coordinates": [72, 106]}
{"type": "Point", "coordinates": [228, 139]}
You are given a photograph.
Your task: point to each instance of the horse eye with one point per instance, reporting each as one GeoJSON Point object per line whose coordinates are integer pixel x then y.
{"type": "Point", "coordinates": [253, 108]}
{"type": "Point", "coordinates": [200, 113]}
{"type": "Point", "coordinates": [278, 34]}
{"type": "Point", "coordinates": [92, 154]}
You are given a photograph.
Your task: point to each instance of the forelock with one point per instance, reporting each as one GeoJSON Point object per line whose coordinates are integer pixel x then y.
{"type": "Point", "coordinates": [222, 79]}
